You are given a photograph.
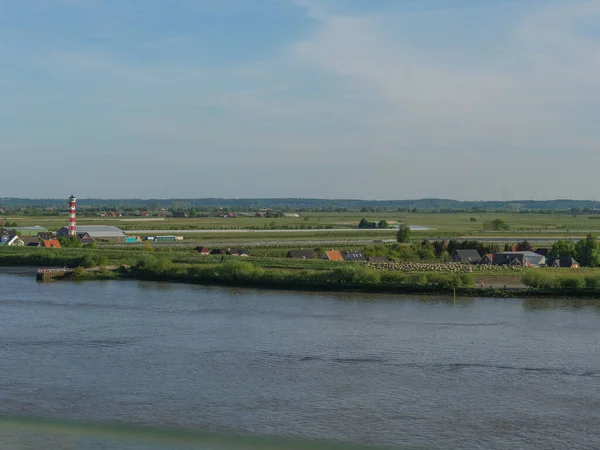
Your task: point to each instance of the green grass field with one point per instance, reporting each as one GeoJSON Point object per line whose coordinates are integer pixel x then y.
{"type": "Point", "coordinates": [446, 226]}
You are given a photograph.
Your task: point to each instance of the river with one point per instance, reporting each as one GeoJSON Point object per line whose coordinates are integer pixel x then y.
{"type": "Point", "coordinates": [388, 370]}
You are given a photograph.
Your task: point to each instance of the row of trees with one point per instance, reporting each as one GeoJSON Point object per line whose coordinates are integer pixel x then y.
{"type": "Point", "coordinates": [364, 223]}
{"type": "Point", "coordinates": [586, 251]}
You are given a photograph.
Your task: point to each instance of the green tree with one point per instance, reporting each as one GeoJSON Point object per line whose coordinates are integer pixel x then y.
{"type": "Point", "coordinates": [383, 224]}
{"type": "Point", "coordinates": [587, 251]}
{"type": "Point", "coordinates": [524, 246]}
{"type": "Point", "coordinates": [403, 234]}
{"type": "Point", "coordinates": [497, 225]}
{"type": "Point", "coordinates": [563, 248]}
{"type": "Point", "coordinates": [364, 223]}
{"type": "Point", "coordinates": [69, 242]}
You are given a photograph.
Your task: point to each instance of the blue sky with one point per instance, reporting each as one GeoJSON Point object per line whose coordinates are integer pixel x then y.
{"type": "Point", "coordinates": [465, 99]}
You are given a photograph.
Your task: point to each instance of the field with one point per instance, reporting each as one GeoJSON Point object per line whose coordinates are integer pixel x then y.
{"type": "Point", "coordinates": [338, 228]}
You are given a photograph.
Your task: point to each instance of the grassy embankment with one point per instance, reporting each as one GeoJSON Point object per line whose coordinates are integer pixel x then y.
{"type": "Point", "coordinates": [282, 273]}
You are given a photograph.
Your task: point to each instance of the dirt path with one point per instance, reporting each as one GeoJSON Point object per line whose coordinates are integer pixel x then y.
{"type": "Point", "coordinates": [490, 281]}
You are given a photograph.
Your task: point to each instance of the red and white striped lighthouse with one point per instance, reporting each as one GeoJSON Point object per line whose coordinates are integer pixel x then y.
{"type": "Point", "coordinates": [72, 222]}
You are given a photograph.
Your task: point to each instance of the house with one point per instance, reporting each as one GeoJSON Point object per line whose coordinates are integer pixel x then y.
{"type": "Point", "coordinates": [524, 259]}
{"type": "Point", "coordinates": [202, 250]}
{"type": "Point", "coordinates": [301, 254]}
{"type": "Point", "coordinates": [333, 255]}
{"type": "Point", "coordinates": [378, 259]}
{"type": "Point", "coordinates": [51, 243]}
{"type": "Point", "coordinates": [218, 251]}
{"type": "Point", "coordinates": [352, 255]}
{"type": "Point", "coordinates": [12, 240]}
{"type": "Point", "coordinates": [563, 261]}
{"type": "Point", "coordinates": [486, 260]}
{"type": "Point", "coordinates": [542, 251]}
{"type": "Point", "coordinates": [46, 235]}
{"type": "Point", "coordinates": [260, 214]}
{"type": "Point", "coordinates": [466, 256]}
{"type": "Point", "coordinates": [85, 238]}
{"type": "Point", "coordinates": [31, 241]}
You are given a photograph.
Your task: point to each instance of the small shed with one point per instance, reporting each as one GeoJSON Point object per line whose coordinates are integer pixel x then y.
{"type": "Point", "coordinates": [301, 254]}
{"type": "Point", "coordinates": [333, 255]}
{"type": "Point", "coordinates": [202, 250]}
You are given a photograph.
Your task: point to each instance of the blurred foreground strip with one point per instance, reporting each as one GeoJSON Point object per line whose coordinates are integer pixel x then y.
{"type": "Point", "coordinates": [167, 439]}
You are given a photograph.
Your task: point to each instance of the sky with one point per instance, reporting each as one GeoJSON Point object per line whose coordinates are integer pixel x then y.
{"type": "Point", "coordinates": [367, 99]}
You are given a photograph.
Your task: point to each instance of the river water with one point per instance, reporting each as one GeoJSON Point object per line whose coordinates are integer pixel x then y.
{"type": "Point", "coordinates": [398, 371]}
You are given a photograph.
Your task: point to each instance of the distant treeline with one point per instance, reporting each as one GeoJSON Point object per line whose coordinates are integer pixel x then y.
{"type": "Point", "coordinates": [315, 204]}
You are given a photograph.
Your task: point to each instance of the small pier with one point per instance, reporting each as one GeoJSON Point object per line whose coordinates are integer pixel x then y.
{"type": "Point", "coordinates": [52, 274]}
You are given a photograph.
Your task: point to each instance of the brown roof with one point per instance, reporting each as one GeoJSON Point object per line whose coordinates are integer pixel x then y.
{"type": "Point", "coordinates": [31, 241]}
{"type": "Point", "coordinates": [301, 254]}
{"type": "Point", "coordinates": [51, 243]}
{"type": "Point", "coordinates": [203, 250]}
{"type": "Point", "coordinates": [333, 255]}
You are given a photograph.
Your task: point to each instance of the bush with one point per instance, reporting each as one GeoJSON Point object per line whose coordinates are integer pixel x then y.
{"type": "Point", "coordinates": [538, 279]}
{"type": "Point", "coordinates": [570, 283]}
{"type": "Point", "coordinates": [592, 281]}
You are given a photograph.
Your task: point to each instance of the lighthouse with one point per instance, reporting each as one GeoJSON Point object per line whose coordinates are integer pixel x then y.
{"type": "Point", "coordinates": [72, 222]}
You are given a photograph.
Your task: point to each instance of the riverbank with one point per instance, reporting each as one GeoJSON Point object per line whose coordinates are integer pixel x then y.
{"type": "Point", "coordinates": [306, 275]}
{"type": "Point", "coordinates": [237, 275]}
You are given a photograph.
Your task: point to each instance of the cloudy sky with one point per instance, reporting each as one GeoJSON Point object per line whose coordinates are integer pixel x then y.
{"type": "Point", "coordinates": [390, 99]}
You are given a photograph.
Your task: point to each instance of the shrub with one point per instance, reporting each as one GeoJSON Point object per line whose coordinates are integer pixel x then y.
{"type": "Point", "coordinates": [570, 283]}
{"type": "Point", "coordinates": [592, 281]}
{"type": "Point", "coordinates": [538, 279]}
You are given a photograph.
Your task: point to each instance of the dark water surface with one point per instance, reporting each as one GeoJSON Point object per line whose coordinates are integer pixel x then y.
{"type": "Point", "coordinates": [398, 371]}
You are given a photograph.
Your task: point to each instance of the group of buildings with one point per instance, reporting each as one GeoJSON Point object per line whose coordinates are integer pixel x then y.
{"type": "Point", "coordinates": [41, 237]}
{"type": "Point", "coordinates": [537, 258]}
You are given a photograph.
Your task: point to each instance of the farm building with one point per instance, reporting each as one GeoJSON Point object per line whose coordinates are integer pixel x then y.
{"type": "Point", "coordinates": [352, 255]}
{"type": "Point", "coordinates": [218, 251]}
{"type": "Point", "coordinates": [563, 261]}
{"type": "Point", "coordinates": [333, 255]}
{"type": "Point", "coordinates": [466, 256]}
{"type": "Point", "coordinates": [97, 232]}
{"type": "Point", "coordinates": [525, 259]}
{"type": "Point", "coordinates": [45, 235]}
{"type": "Point", "coordinates": [301, 254]}
{"type": "Point", "coordinates": [202, 250]}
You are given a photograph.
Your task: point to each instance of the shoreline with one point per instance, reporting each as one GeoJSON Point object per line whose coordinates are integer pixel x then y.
{"type": "Point", "coordinates": [464, 292]}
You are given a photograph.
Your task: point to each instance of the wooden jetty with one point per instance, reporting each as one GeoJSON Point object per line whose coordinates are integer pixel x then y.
{"type": "Point", "coordinates": [52, 274]}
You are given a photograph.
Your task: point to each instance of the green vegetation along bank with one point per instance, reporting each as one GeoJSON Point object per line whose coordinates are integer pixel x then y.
{"type": "Point", "coordinates": [315, 275]}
